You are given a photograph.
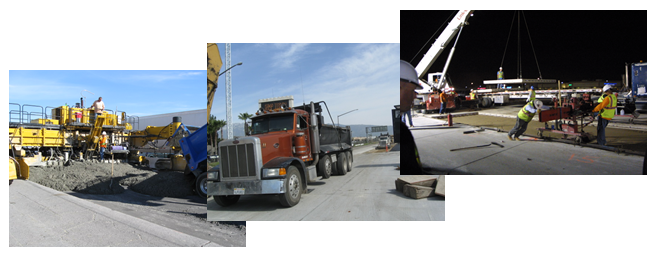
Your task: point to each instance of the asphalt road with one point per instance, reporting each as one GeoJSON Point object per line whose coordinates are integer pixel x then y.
{"type": "Point", "coordinates": [367, 193]}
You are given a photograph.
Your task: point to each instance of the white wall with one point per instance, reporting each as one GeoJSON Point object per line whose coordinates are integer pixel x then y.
{"type": "Point", "coordinates": [193, 117]}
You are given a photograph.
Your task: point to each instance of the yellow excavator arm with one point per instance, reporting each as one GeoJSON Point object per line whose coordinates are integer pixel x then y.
{"type": "Point", "coordinates": [214, 64]}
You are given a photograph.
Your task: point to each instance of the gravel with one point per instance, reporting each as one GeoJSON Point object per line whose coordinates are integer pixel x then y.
{"type": "Point", "coordinates": [96, 178]}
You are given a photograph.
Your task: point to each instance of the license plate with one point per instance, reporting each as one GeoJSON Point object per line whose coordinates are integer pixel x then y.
{"type": "Point", "coordinates": [239, 191]}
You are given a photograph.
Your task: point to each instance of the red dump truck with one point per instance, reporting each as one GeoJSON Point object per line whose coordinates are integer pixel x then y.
{"type": "Point", "coordinates": [288, 147]}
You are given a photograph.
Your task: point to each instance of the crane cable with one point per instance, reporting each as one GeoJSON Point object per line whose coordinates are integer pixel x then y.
{"type": "Point", "coordinates": [430, 39]}
{"type": "Point", "coordinates": [532, 48]}
{"type": "Point", "coordinates": [508, 40]}
{"type": "Point", "coordinates": [519, 65]}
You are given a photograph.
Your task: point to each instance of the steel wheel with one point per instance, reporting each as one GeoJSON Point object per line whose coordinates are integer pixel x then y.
{"type": "Point", "coordinates": [293, 188]}
{"type": "Point", "coordinates": [325, 167]}
{"type": "Point", "coordinates": [201, 185]}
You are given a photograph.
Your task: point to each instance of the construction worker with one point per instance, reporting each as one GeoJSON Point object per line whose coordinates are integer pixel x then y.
{"type": "Point", "coordinates": [410, 162]}
{"type": "Point", "coordinates": [606, 111]}
{"type": "Point", "coordinates": [472, 94]}
{"type": "Point", "coordinates": [103, 145]}
{"type": "Point", "coordinates": [500, 77]}
{"type": "Point", "coordinates": [524, 116]}
{"type": "Point", "coordinates": [531, 94]}
{"type": "Point", "coordinates": [442, 101]}
{"type": "Point", "coordinates": [98, 107]}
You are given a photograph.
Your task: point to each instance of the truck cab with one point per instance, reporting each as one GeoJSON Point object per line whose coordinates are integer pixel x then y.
{"type": "Point", "coordinates": [280, 156]}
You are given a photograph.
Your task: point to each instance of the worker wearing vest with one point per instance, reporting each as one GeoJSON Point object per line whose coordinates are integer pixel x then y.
{"type": "Point", "coordinates": [523, 118]}
{"type": "Point", "coordinates": [531, 94]}
{"type": "Point", "coordinates": [472, 95]}
{"type": "Point", "coordinates": [442, 101]}
{"type": "Point", "coordinates": [606, 111]}
{"type": "Point", "coordinates": [103, 145]}
{"type": "Point", "coordinates": [500, 77]}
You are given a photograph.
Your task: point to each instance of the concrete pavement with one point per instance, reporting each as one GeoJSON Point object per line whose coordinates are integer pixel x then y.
{"type": "Point", "coordinates": [40, 216]}
{"type": "Point", "coordinates": [367, 193]}
{"type": "Point", "coordinates": [529, 156]}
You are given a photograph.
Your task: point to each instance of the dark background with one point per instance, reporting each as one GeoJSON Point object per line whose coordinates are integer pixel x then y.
{"type": "Point", "coordinates": [569, 45]}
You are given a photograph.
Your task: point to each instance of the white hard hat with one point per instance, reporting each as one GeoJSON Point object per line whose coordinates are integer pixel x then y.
{"type": "Point", "coordinates": [409, 74]}
{"type": "Point", "coordinates": [500, 68]}
{"type": "Point", "coordinates": [104, 133]}
{"type": "Point", "coordinates": [607, 87]}
{"type": "Point", "coordinates": [537, 103]}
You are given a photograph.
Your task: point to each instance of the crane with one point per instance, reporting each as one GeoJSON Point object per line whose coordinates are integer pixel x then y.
{"type": "Point", "coordinates": [454, 27]}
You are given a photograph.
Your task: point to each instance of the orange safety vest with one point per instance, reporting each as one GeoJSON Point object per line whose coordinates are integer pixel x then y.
{"type": "Point", "coordinates": [103, 142]}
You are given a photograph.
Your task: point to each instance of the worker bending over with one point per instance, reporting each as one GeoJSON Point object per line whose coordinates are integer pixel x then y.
{"type": "Point", "coordinates": [606, 111]}
{"type": "Point", "coordinates": [523, 118]}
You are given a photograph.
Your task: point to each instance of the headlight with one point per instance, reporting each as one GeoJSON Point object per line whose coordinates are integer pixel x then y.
{"type": "Point", "coordinates": [212, 175]}
{"type": "Point", "coordinates": [272, 172]}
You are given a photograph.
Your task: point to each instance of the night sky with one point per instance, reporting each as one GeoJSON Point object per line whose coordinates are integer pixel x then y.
{"type": "Point", "coordinates": [569, 45]}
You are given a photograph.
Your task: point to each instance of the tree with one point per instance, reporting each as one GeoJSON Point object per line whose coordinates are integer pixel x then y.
{"type": "Point", "coordinates": [213, 126]}
{"type": "Point", "coordinates": [245, 117]}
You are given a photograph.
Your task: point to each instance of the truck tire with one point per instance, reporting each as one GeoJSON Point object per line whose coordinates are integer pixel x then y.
{"type": "Point", "coordinates": [226, 200]}
{"type": "Point", "coordinates": [349, 156]}
{"type": "Point", "coordinates": [201, 185]}
{"type": "Point", "coordinates": [342, 164]}
{"type": "Point", "coordinates": [293, 188]}
{"type": "Point", "coordinates": [325, 167]}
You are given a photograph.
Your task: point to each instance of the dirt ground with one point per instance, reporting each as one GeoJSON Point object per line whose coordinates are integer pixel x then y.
{"type": "Point", "coordinates": [625, 139]}
{"type": "Point", "coordinates": [96, 178]}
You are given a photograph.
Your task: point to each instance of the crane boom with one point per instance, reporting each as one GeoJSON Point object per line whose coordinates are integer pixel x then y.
{"type": "Point", "coordinates": [440, 43]}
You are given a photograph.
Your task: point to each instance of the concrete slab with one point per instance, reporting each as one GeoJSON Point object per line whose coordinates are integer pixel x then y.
{"type": "Point", "coordinates": [40, 216]}
{"type": "Point", "coordinates": [440, 188]}
{"type": "Point", "coordinates": [417, 191]}
{"type": "Point", "coordinates": [529, 156]}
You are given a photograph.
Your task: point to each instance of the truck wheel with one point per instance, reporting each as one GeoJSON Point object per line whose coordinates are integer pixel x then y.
{"type": "Point", "coordinates": [342, 164]}
{"type": "Point", "coordinates": [201, 185]}
{"type": "Point", "coordinates": [349, 165]}
{"type": "Point", "coordinates": [226, 200]}
{"type": "Point", "coordinates": [293, 188]}
{"type": "Point", "coordinates": [325, 167]}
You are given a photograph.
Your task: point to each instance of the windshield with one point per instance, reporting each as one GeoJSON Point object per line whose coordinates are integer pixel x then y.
{"type": "Point", "coordinates": [273, 123]}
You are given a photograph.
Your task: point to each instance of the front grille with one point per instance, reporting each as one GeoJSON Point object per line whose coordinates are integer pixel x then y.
{"type": "Point", "coordinates": [238, 161]}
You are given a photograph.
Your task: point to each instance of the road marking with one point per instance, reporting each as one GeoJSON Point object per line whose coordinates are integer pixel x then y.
{"type": "Point", "coordinates": [586, 159]}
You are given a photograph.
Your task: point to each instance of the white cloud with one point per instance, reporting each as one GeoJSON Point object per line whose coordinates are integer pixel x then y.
{"type": "Point", "coordinates": [289, 55]}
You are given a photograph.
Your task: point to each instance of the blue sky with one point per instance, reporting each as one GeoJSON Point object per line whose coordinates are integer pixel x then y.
{"type": "Point", "coordinates": [346, 76]}
{"type": "Point", "coordinates": [139, 93]}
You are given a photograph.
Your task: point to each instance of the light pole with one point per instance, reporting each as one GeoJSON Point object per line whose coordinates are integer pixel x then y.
{"type": "Point", "coordinates": [344, 114]}
{"type": "Point", "coordinates": [229, 68]}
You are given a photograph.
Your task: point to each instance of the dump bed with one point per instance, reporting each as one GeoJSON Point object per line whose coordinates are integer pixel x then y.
{"type": "Point", "coordinates": [334, 138]}
{"type": "Point", "coordinates": [194, 148]}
